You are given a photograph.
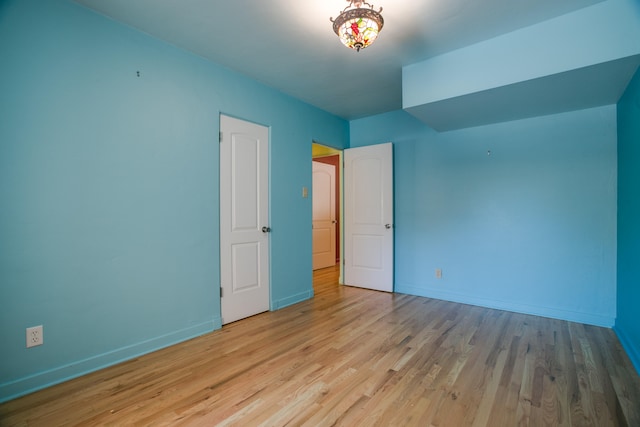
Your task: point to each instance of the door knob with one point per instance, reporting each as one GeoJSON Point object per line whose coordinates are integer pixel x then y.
{"type": "Point", "coordinates": [387, 226]}
{"type": "Point", "coordinates": [266, 229]}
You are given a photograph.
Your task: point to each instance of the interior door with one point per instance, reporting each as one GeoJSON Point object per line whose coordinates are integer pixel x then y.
{"type": "Point", "coordinates": [244, 219]}
{"type": "Point", "coordinates": [324, 215]}
{"type": "Point", "coordinates": [368, 210]}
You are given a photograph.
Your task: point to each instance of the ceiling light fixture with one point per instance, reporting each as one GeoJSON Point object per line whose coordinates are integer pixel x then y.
{"type": "Point", "coordinates": [357, 26]}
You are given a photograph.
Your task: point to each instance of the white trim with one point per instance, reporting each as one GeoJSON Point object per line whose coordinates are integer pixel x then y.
{"type": "Point", "coordinates": [536, 310]}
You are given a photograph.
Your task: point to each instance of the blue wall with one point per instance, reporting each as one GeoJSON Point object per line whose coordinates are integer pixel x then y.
{"type": "Point", "coordinates": [628, 321]}
{"type": "Point", "coordinates": [530, 228]}
{"type": "Point", "coordinates": [109, 190]}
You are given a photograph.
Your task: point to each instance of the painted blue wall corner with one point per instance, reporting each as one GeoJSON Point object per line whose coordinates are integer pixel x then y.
{"type": "Point", "coordinates": [628, 316]}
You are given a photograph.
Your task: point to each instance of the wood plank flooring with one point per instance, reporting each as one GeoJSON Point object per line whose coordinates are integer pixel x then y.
{"type": "Point", "coordinates": [354, 357]}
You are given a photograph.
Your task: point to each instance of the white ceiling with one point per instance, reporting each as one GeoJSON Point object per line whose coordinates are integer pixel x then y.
{"type": "Point", "coordinates": [290, 45]}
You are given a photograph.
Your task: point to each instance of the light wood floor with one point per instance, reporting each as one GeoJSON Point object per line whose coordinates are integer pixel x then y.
{"type": "Point", "coordinates": [355, 357]}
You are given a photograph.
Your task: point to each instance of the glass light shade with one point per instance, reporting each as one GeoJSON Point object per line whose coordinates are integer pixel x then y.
{"type": "Point", "coordinates": [358, 33]}
{"type": "Point", "coordinates": [358, 27]}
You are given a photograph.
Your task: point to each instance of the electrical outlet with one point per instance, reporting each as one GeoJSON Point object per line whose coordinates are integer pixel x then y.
{"type": "Point", "coordinates": [438, 273]}
{"type": "Point", "coordinates": [34, 336]}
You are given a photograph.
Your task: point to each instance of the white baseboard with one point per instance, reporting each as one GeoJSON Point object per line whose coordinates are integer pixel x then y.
{"type": "Point", "coordinates": [554, 313]}
{"type": "Point", "coordinates": [13, 389]}
{"type": "Point", "coordinates": [294, 299]}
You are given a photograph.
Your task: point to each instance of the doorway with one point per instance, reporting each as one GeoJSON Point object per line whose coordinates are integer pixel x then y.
{"type": "Point", "coordinates": [365, 231]}
{"type": "Point", "coordinates": [327, 206]}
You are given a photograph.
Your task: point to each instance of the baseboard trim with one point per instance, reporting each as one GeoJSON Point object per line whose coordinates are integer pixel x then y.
{"type": "Point", "coordinates": [569, 315]}
{"type": "Point", "coordinates": [293, 299]}
{"type": "Point", "coordinates": [14, 389]}
{"type": "Point", "coordinates": [632, 351]}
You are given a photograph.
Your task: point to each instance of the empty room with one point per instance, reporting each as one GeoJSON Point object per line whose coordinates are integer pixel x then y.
{"type": "Point", "coordinates": [167, 256]}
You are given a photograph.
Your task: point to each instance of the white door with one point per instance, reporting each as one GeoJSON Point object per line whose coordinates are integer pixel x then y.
{"type": "Point", "coordinates": [368, 195]}
{"type": "Point", "coordinates": [324, 215]}
{"type": "Point", "coordinates": [244, 219]}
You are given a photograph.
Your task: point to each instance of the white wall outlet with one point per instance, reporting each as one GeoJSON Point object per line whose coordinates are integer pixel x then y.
{"type": "Point", "coordinates": [438, 273]}
{"type": "Point", "coordinates": [34, 336]}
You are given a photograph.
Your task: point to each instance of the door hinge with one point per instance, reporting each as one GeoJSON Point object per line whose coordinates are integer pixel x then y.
{"type": "Point", "coordinates": [221, 292]}
{"type": "Point", "coordinates": [220, 137]}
